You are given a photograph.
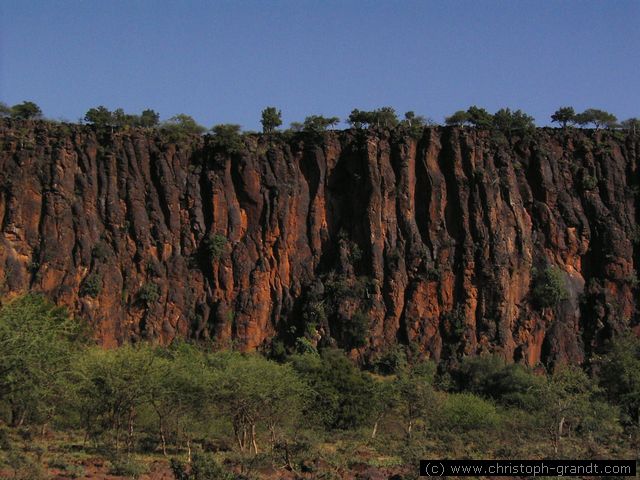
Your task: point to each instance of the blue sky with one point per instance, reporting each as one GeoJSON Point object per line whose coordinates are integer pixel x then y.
{"type": "Point", "coordinates": [223, 61]}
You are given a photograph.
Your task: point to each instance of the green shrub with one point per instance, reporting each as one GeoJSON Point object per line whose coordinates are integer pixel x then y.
{"type": "Point", "coordinates": [465, 411]}
{"type": "Point", "coordinates": [490, 376]}
{"type": "Point", "coordinates": [392, 361]}
{"type": "Point", "coordinates": [127, 467]}
{"type": "Point", "coordinates": [205, 467]}
{"type": "Point", "coordinates": [549, 287]}
{"type": "Point", "coordinates": [216, 245]}
{"type": "Point", "coordinates": [91, 286]}
{"type": "Point", "coordinates": [228, 137]}
{"type": "Point", "coordinates": [149, 293]}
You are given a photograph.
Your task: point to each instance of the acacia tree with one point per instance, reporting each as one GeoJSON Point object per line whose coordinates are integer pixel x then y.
{"type": "Point", "coordinates": [26, 111]}
{"type": "Point", "coordinates": [568, 402]}
{"type": "Point", "coordinates": [99, 116]}
{"type": "Point", "coordinates": [228, 137]}
{"type": "Point", "coordinates": [458, 118]}
{"type": "Point", "coordinates": [599, 118]}
{"type": "Point", "coordinates": [620, 375]}
{"type": "Point", "coordinates": [110, 388]}
{"type": "Point", "coordinates": [318, 123]}
{"type": "Point", "coordinates": [271, 119]}
{"type": "Point", "coordinates": [37, 342]}
{"type": "Point", "coordinates": [149, 118]}
{"type": "Point", "coordinates": [563, 116]}
{"type": "Point", "coordinates": [254, 391]}
{"type": "Point", "coordinates": [508, 121]}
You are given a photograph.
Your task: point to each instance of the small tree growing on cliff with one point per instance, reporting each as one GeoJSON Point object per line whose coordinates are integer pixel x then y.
{"type": "Point", "coordinates": [549, 287]}
{"type": "Point", "coordinates": [599, 118]}
{"type": "Point", "coordinates": [99, 116]}
{"type": "Point", "coordinates": [507, 121]}
{"type": "Point", "coordinates": [318, 124]}
{"type": "Point", "coordinates": [563, 116]}
{"type": "Point", "coordinates": [227, 136]}
{"type": "Point", "coordinates": [149, 118]}
{"type": "Point", "coordinates": [271, 119]}
{"type": "Point", "coordinates": [458, 118]}
{"type": "Point", "coordinates": [26, 111]}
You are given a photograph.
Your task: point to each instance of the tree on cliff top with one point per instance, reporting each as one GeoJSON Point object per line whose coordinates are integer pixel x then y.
{"type": "Point", "coordinates": [476, 116]}
{"type": "Point", "coordinates": [458, 118]}
{"type": "Point", "coordinates": [271, 119]}
{"type": "Point", "coordinates": [599, 118]}
{"type": "Point", "coordinates": [149, 118]}
{"type": "Point", "coordinates": [318, 123]}
{"type": "Point", "coordinates": [99, 116]}
{"type": "Point", "coordinates": [564, 115]}
{"type": "Point", "coordinates": [507, 121]}
{"type": "Point", "coordinates": [227, 136]}
{"type": "Point", "coordinates": [26, 111]}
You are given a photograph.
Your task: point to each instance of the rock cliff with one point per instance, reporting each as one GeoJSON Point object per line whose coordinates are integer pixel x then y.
{"type": "Point", "coordinates": [361, 238]}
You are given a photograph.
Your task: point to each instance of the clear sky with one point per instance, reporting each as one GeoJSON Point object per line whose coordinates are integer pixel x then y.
{"type": "Point", "coordinates": [224, 61]}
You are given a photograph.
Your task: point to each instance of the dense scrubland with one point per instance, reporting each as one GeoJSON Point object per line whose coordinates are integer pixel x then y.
{"type": "Point", "coordinates": [203, 412]}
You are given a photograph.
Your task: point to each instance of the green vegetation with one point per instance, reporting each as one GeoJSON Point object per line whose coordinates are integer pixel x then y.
{"type": "Point", "coordinates": [180, 127]}
{"type": "Point", "coordinates": [149, 293]}
{"type": "Point", "coordinates": [564, 116]}
{"type": "Point", "coordinates": [26, 111]}
{"type": "Point", "coordinates": [101, 117]}
{"type": "Point", "coordinates": [91, 286]}
{"type": "Point", "coordinates": [228, 137]}
{"type": "Point", "coordinates": [384, 117]}
{"type": "Point", "coordinates": [504, 120]}
{"type": "Point", "coordinates": [549, 287]}
{"type": "Point", "coordinates": [216, 245]}
{"type": "Point", "coordinates": [318, 124]}
{"type": "Point", "coordinates": [271, 119]}
{"type": "Point", "coordinates": [599, 118]}
{"type": "Point", "coordinates": [142, 404]}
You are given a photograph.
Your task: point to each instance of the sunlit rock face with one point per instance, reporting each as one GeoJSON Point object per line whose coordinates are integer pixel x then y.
{"type": "Point", "coordinates": [434, 242]}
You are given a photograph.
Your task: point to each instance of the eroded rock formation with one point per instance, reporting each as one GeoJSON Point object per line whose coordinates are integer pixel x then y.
{"type": "Point", "coordinates": [432, 242]}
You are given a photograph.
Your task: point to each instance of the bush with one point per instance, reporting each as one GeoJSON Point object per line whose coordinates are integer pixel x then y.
{"type": "Point", "coordinates": [490, 376]}
{"type": "Point", "coordinates": [127, 467]}
{"type": "Point", "coordinates": [91, 286]}
{"type": "Point", "coordinates": [215, 245]}
{"type": "Point", "coordinates": [228, 137]}
{"type": "Point", "coordinates": [465, 411]}
{"type": "Point", "coordinates": [149, 293]}
{"type": "Point", "coordinates": [205, 467]}
{"type": "Point", "coordinates": [549, 287]}
{"type": "Point", "coordinates": [340, 392]}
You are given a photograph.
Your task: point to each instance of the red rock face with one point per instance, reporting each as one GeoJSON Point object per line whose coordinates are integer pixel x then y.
{"type": "Point", "coordinates": [433, 240]}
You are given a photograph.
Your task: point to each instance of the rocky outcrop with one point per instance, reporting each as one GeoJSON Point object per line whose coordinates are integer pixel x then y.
{"type": "Point", "coordinates": [360, 238]}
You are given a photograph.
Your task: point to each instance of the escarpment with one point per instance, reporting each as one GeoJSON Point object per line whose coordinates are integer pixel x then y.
{"type": "Point", "coordinates": [458, 242]}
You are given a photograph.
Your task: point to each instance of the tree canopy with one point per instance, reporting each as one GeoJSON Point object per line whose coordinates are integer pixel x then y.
{"type": "Point", "coordinates": [563, 116]}
{"type": "Point", "coordinates": [599, 118]}
{"type": "Point", "coordinates": [271, 119]}
{"type": "Point", "coordinates": [26, 111]}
